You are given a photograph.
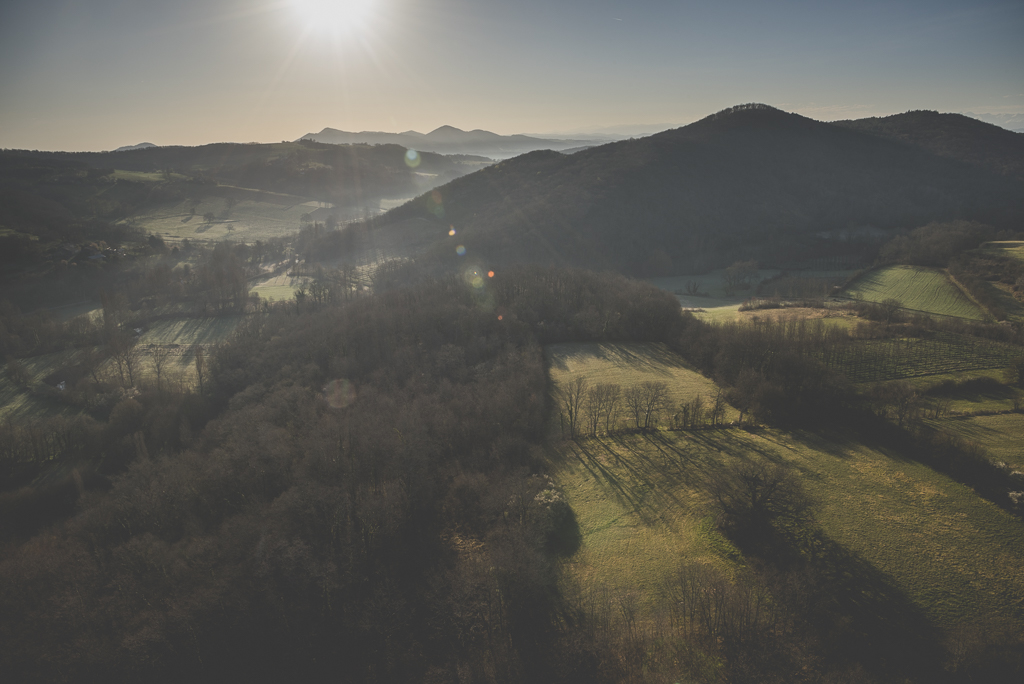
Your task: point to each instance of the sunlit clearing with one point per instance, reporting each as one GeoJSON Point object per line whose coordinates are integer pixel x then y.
{"type": "Point", "coordinates": [333, 15]}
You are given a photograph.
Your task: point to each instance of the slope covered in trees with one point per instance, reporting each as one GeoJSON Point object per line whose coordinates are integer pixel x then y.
{"type": "Point", "coordinates": [337, 173]}
{"type": "Point", "coordinates": [362, 503]}
{"type": "Point", "coordinates": [748, 181]}
{"type": "Point", "coordinates": [951, 135]}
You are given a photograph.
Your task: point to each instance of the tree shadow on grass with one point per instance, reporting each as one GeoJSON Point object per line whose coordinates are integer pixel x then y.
{"type": "Point", "coordinates": [853, 610]}
{"type": "Point", "coordinates": [847, 611]}
{"type": "Point", "coordinates": [564, 537]}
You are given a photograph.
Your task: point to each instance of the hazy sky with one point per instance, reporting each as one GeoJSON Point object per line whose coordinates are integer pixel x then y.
{"type": "Point", "coordinates": [97, 74]}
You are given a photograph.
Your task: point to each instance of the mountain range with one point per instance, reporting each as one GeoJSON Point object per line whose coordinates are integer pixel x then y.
{"type": "Point", "coordinates": [451, 140]}
{"type": "Point", "coordinates": [749, 182]}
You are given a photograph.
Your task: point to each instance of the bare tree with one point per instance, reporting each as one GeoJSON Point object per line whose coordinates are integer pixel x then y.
{"type": "Point", "coordinates": [91, 360]}
{"type": "Point", "coordinates": [200, 360]}
{"type": "Point", "coordinates": [645, 403]}
{"type": "Point", "coordinates": [592, 410]}
{"type": "Point", "coordinates": [655, 398]}
{"type": "Point", "coordinates": [611, 404]}
{"type": "Point", "coordinates": [900, 399]}
{"type": "Point", "coordinates": [633, 397]}
{"type": "Point", "coordinates": [160, 355]}
{"type": "Point", "coordinates": [717, 410]}
{"type": "Point", "coordinates": [691, 413]}
{"type": "Point", "coordinates": [890, 309]}
{"type": "Point", "coordinates": [124, 349]}
{"type": "Point", "coordinates": [740, 276]}
{"type": "Point", "coordinates": [571, 397]}
{"type": "Point", "coordinates": [748, 496]}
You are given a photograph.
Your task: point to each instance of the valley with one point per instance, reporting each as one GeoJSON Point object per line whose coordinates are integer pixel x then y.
{"type": "Point", "coordinates": [740, 397]}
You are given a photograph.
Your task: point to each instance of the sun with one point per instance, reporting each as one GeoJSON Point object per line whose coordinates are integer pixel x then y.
{"type": "Point", "coordinates": [333, 15]}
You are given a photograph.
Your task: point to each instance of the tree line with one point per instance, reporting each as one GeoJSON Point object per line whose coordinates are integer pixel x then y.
{"type": "Point", "coordinates": [588, 410]}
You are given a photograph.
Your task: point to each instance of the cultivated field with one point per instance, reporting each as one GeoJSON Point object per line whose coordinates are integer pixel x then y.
{"type": "Point", "coordinates": [940, 355]}
{"type": "Point", "coordinates": [918, 289]}
{"type": "Point", "coordinates": [18, 404]}
{"type": "Point", "coordinates": [189, 331]}
{"type": "Point", "coordinates": [908, 534]}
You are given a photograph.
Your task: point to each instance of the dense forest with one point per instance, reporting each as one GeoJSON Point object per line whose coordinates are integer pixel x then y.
{"type": "Point", "coordinates": [362, 466]}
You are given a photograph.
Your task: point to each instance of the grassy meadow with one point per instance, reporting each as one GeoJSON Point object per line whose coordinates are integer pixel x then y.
{"type": "Point", "coordinates": [189, 331]}
{"type": "Point", "coordinates": [918, 289]}
{"type": "Point", "coordinates": [629, 364]}
{"type": "Point", "coordinates": [1000, 434]}
{"type": "Point", "coordinates": [906, 531]}
{"type": "Point", "coordinates": [247, 220]}
{"type": "Point", "coordinates": [280, 288]}
{"type": "Point", "coordinates": [1006, 248]}
{"type": "Point", "coordinates": [19, 404]}
{"type": "Point", "coordinates": [715, 304]}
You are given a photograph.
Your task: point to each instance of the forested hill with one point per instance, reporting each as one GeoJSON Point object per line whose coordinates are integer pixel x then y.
{"type": "Point", "coordinates": [951, 135]}
{"type": "Point", "coordinates": [750, 181]}
{"type": "Point", "coordinates": [329, 172]}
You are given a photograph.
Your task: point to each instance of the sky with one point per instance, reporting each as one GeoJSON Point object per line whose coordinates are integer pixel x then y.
{"type": "Point", "coordinates": [99, 74]}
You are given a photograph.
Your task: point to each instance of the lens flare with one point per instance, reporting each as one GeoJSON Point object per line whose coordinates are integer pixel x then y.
{"type": "Point", "coordinates": [461, 250]}
{"type": "Point", "coordinates": [474, 277]}
{"type": "Point", "coordinates": [452, 231]}
{"type": "Point", "coordinates": [435, 204]}
{"type": "Point", "coordinates": [340, 393]}
{"type": "Point", "coordinates": [412, 158]}
{"type": "Point", "coordinates": [490, 274]}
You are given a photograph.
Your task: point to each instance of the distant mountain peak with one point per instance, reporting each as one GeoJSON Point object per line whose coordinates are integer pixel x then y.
{"type": "Point", "coordinates": [446, 129]}
{"type": "Point", "coordinates": [140, 146]}
{"type": "Point", "coordinates": [447, 140]}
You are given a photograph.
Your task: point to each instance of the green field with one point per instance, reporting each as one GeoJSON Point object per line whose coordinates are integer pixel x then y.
{"type": "Point", "coordinates": [145, 176]}
{"type": "Point", "coordinates": [246, 221]}
{"type": "Point", "coordinates": [940, 355]}
{"type": "Point", "coordinates": [712, 284]}
{"type": "Point", "coordinates": [629, 364]}
{"type": "Point", "coordinates": [17, 404]}
{"type": "Point", "coordinates": [279, 288]}
{"type": "Point", "coordinates": [918, 289]}
{"type": "Point", "coordinates": [640, 504]}
{"type": "Point", "coordinates": [189, 331]}
{"type": "Point", "coordinates": [1007, 248]}
{"type": "Point", "coordinates": [1002, 435]}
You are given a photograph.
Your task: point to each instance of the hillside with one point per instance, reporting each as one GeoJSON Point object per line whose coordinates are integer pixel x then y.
{"type": "Point", "coordinates": [51, 197]}
{"type": "Point", "coordinates": [951, 135]}
{"type": "Point", "coordinates": [748, 182]}
{"type": "Point", "coordinates": [325, 172]}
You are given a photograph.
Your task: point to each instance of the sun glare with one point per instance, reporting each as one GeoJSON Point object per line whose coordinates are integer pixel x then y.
{"type": "Point", "coordinates": [333, 15]}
